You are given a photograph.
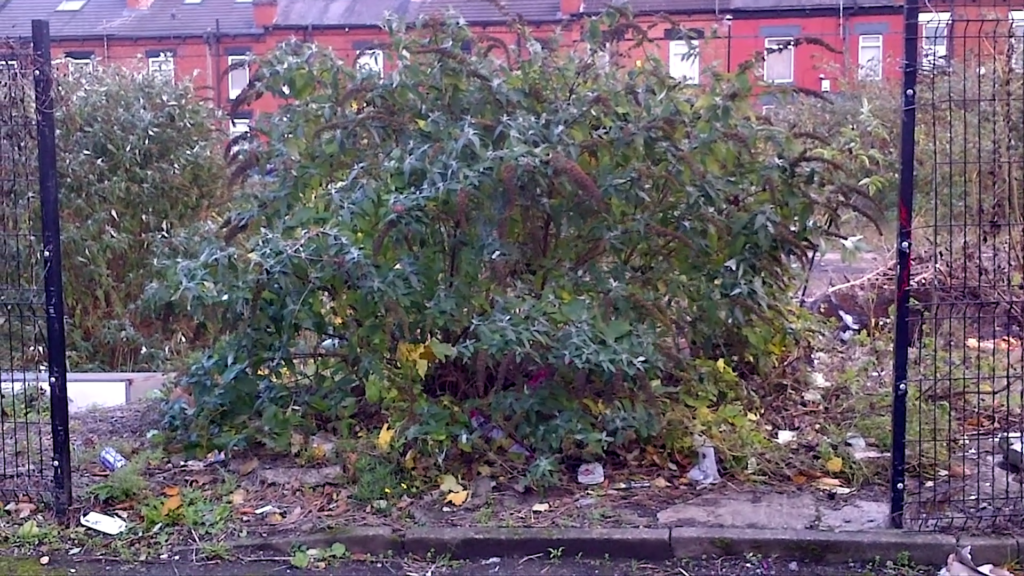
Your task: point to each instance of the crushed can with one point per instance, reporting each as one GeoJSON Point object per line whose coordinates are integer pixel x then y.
{"type": "Point", "coordinates": [111, 459]}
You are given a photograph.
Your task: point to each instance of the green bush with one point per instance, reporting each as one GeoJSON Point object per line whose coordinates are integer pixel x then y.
{"type": "Point", "coordinates": [591, 258]}
{"type": "Point", "coordinates": [139, 160]}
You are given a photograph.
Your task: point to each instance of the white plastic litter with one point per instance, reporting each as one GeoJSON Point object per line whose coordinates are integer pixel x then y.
{"type": "Point", "coordinates": [103, 523]}
{"type": "Point", "coordinates": [705, 472]}
{"type": "Point", "coordinates": [590, 473]}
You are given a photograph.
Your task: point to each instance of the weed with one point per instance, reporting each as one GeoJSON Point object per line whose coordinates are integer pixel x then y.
{"type": "Point", "coordinates": [123, 485]}
{"type": "Point", "coordinates": [376, 479]}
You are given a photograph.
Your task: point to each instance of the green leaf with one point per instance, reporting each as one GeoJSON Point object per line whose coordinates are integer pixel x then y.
{"type": "Point", "coordinates": [300, 559]}
{"type": "Point", "coordinates": [442, 350]}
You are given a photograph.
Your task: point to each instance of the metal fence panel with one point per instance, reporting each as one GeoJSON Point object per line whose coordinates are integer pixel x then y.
{"type": "Point", "coordinates": [959, 377]}
{"type": "Point", "coordinates": [34, 444]}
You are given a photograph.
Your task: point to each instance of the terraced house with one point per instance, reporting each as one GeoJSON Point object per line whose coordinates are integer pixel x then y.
{"type": "Point", "coordinates": [201, 39]}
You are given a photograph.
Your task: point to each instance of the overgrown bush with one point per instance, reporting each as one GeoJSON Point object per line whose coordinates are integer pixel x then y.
{"type": "Point", "coordinates": [139, 160]}
{"type": "Point", "coordinates": [594, 259]}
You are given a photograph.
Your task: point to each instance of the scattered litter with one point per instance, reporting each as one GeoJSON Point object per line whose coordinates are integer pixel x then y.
{"type": "Point", "coordinates": [856, 441]}
{"type": "Point", "coordinates": [215, 457]}
{"type": "Point", "coordinates": [267, 510]}
{"type": "Point", "coordinates": [1011, 445]}
{"type": "Point", "coordinates": [44, 560]}
{"type": "Point", "coordinates": [833, 486]}
{"type": "Point", "coordinates": [491, 431]}
{"type": "Point", "coordinates": [660, 482]}
{"type": "Point", "coordinates": [785, 436]}
{"type": "Point", "coordinates": [584, 502]}
{"type": "Point", "coordinates": [111, 459]}
{"type": "Point", "coordinates": [541, 507]}
{"type": "Point", "coordinates": [103, 523]}
{"type": "Point", "coordinates": [590, 473]}
{"type": "Point", "coordinates": [630, 485]}
{"type": "Point", "coordinates": [705, 472]}
{"type": "Point", "coordinates": [493, 560]}
{"type": "Point", "coordinates": [960, 563]}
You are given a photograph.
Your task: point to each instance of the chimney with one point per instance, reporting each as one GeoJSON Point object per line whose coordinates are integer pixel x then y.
{"type": "Point", "coordinates": [569, 8]}
{"type": "Point", "coordinates": [264, 13]}
{"type": "Point", "coordinates": [139, 4]}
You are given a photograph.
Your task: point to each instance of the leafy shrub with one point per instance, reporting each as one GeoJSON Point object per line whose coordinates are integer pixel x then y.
{"type": "Point", "coordinates": [591, 258]}
{"type": "Point", "coordinates": [139, 159]}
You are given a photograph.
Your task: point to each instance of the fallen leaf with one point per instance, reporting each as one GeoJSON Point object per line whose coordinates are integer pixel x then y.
{"type": "Point", "coordinates": [238, 496]}
{"type": "Point", "coordinates": [828, 482]}
{"type": "Point", "coordinates": [172, 491]}
{"type": "Point", "coordinates": [798, 479]}
{"type": "Point", "coordinates": [835, 465]}
{"type": "Point", "coordinates": [202, 480]}
{"type": "Point", "coordinates": [293, 516]}
{"type": "Point", "coordinates": [450, 484]}
{"type": "Point", "coordinates": [957, 471]}
{"type": "Point", "coordinates": [21, 509]}
{"type": "Point", "coordinates": [170, 505]}
{"type": "Point", "coordinates": [384, 438]}
{"type": "Point", "coordinates": [541, 507]}
{"type": "Point", "coordinates": [248, 466]}
{"type": "Point", "coordinates": [274, 518]}
{"type": "Point", "coordinates": [457, 498]}
{"type": "Point", "coordinates": [660, 482]}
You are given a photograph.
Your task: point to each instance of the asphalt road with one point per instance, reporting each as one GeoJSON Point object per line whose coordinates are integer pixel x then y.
{"type": "Point", "coordinates": [504, 567]}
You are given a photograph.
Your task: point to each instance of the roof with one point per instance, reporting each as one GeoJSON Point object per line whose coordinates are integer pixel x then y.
{"type": "Point", "coordinates": [342, 12]}
{"type": "Point", "coordinates": [489, 11]}
{"type": "Point", "coordinates": [659, 6]}
{"type": "Point", "coordinates": [164, 18]}
{"type": "Point", "coordinates": [755, 5]}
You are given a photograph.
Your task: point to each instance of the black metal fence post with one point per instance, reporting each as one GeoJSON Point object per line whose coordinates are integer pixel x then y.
{"type": "Point", "coordinates": [52, 280]}
{"type": "Point", "coordinates": [906, 210]}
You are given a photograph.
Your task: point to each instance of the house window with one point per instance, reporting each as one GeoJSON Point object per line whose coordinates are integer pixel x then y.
{"type": "Point", "coordinates": [778, 60]}
{"type": "Point", "coordinates": [238, 75]}
{"type": "Point", "coordinates": [1017, 45]}
{"type": "Point", "coordinates": [238, 126]}
{"type": "Point", "coordinates": [161, 65]}
{"type": "Point", "coordinates": [372, 60]}
{"type": "Point", "coordinates": [79, 66]}
{"type": "Point", "coordinates": [935, 40]}
{"type": "Point", "coordinates": [869, 56]}
{"type": "Point", "coordinates": [684, 61]}
{"type": "Point", "coordinates": [71, 5]}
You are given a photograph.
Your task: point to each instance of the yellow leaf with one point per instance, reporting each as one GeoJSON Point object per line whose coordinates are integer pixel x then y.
{"type": "Point", "coordinates": [752, 417]}
{"type": "Point", "coordinates": [421, 368]}
{"type": "Point", "coordinates": [171, 491]}
{"type": "Point", "coordinates": [450, 484]}
{"type": "Point", "coordinates": [238, 496]}
{"type": "Point", "coordinates": [384, 438]}
{"type": "Point", "coordinates": [457, 498]}
{"type": "Point", "coordinates": [720, 365]}
{"type": "Point", "coordinates": [170, 505]}
{"type": "Point", "coordinates": [834, 465]}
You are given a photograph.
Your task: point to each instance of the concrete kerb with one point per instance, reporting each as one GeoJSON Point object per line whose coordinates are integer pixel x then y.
{"type": "Point", "coordinates": [648, 543]}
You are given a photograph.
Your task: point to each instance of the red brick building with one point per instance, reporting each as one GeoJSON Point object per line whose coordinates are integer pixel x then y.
{"type": "Point", "coordinates": [202, 38]}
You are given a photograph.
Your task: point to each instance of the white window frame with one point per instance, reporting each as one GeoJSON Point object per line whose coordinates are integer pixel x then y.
{"type": "Point", "coordinates": [234, 91]}
{"type": "Point", "coordinates": [70, 5]}
{"type": "Point", "coordinates": [80, 66]}
{"type": "Point", "coordinates": [372, 60]}
{"type": "Point", "coordinates": [1017, 28]}
{"type": "Point", "coordinates": [162, 65]}
{"type": "Point", "coordinates": [684, 61]}
{"type": "Point", "coordinates": [238, 126]}
{"type": "Point", "coordinates": [869, 69]}
{"type": "Point", "coordinates": [934, 54]}
{"type": "Point", "coordinates": [774, 42]}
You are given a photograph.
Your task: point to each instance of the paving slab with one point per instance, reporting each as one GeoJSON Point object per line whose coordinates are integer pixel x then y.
{"type": "Point", "coordinates": [744, 510]}
{"type": "Point", "coordinates": [856, 516]}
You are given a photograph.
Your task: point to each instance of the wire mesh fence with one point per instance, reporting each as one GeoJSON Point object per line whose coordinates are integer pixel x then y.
{"type": "Point", "coordinates": [33, 399]}
{"type": "Point", "coordinates": [963, 175]}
